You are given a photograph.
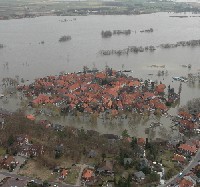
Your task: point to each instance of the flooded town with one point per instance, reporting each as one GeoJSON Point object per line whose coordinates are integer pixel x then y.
{"type": "Point", "coordinates": [99, 93]}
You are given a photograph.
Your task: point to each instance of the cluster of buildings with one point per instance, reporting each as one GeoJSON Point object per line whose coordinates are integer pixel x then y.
{"type": "Point", "coordinates": [188, 123]}
{"type": "Point", "coordinates": [21, 147]}
{"type": "Point", "coordinates": [186, 150]}
{"type": "Point", "coordinates": [191, 179]}
{"type": "Point", "coordinates": [26, 149]}
{"type": "Point", "coordinates": [96, 92]}
{"type": "Point", "coordinates": [91, 175]}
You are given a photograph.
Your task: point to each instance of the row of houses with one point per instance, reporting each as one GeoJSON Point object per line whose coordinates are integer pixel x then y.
{"type": "Point", "coordinates": [188, 122]}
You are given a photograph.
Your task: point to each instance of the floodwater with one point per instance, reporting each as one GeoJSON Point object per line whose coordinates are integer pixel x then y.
{"type": "Point", "coordinates": [23, 55]}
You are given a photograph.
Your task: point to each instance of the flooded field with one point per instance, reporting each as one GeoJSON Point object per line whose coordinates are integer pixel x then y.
{"type": "Point", "coordinates": [25, 56]}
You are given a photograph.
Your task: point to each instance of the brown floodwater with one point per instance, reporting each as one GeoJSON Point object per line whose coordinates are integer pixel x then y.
{"type": "Point", "coordinates": [24, 56]}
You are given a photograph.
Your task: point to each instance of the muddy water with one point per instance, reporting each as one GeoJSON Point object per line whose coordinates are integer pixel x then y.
{"type": "Point", "coordinates": [26, 57]}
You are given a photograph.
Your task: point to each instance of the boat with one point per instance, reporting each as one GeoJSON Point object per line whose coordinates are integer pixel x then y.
{"type": "Point", "coordinates": [1, 96]}
{"type": "Point", "coordinates": [126, 71]}
{"type": "Point", "coordinates": [176, 78]}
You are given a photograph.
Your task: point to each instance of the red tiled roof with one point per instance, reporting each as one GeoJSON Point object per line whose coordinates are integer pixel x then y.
{"type": "Point", "coordinates": [160, 88]}
{"type": "Point", "coordinates": [188, 124]}
{"type": "Point", "coordinates": [87, 173]}
{"type": "Point", "coordinates": [134, 83]}
{"type": "Point", "coordinates": [41, 98]}
{"type": "Point", "coordinates": [179, 158]}
{"type": "Point", "coordinates": [64, 173]}
{"type": "Point", "coordinates": [30, 117]}
{"type": "Point", "coordinates": [141, 141]}
{"type": "Point", "coordinates": [185, 183]}
{"type": "Point", "coordinates": [101, 75]}
{"type": "Point", "coordinates": [148, 95]}
{"type": "Point", "coordinates": [161, 106]}
{"type": "Point", "coordinates": [74, 86]}
{"type": "Point", "coordinates": [114, 112]}
{"type": "Point", "coordinates": [185, 115]}
{"type": "Point", "coordinates": [189, 148]}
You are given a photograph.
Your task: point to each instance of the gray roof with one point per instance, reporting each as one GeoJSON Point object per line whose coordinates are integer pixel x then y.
{"type": "Point", "coordinates": [92, 153]}
{"type": "Point", "coordinates": [106, 166]}
{"type": "Point", "coordinates": [190, 178]}
{"type": "Point", "coordinates": [128, 161]}
{"type": "Point", "coordinates": [139, 174]}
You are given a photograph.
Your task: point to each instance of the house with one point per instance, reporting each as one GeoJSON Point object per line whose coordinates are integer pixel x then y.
{"type": "Point", "coordinates": [157, 167]}
{"type": "Point", "coordinates": [187, 150]}
{"type": "Point", "coordinates": [30, 150]}
{"type": "Point", "coordinates": [22, 140]}
{"type": "Point", "coordinates": [106, 167]}
{"type": "Point", "coordinates": [139, 176]}
{"type": "Point", "coordinates": [185, 183]}
{"type": "Point", "coordinates": [30, 117]}
{"type": "Point", "coordinates": [141, 142]}
{"type": "Point", "coordinates": [144, 163]}
{"type": "Point", "coordinates": [9, 163]}
{"type": "Point", "coordinates": [88, 175]}
{"type": "Point", "coordinates": [140, 152]}
{"type": "Point", "coordinates": [59, 149]}
{"type": "Point", "coordinates": [179, 158]}
{"type": "Point", "coordinates": [63, 174]}
{"type": "Point", "coordinates": [191, 179]}
{"type": "Point", "coordinates": [92, 154]}
{"type": "Point", "coordinates": [57, 127]}
{"type": "Point", "coordinates": [185, 115]}
{"type": "Point", "coordinates": [160, 88]}
{"type": "Point", "coordinates": [128, 161]}
{"type": "Point", "coordinates": [192, 142]}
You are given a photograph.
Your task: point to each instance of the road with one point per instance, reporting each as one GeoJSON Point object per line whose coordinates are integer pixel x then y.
{"type": "Point", "coordinates": [187, 169]}
{"type": "Point", "coordinates": [37, 181]}
{"type": "Point", "coordinates": [82, 167]}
